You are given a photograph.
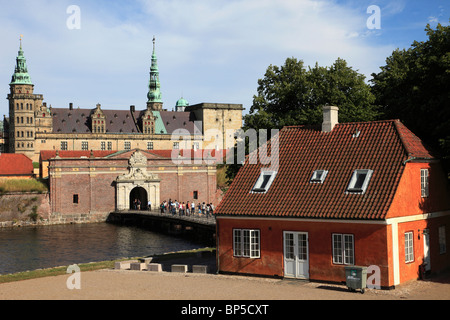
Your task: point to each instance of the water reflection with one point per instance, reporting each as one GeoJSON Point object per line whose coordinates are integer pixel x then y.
{"type": "Point", "coordinates": [49, 246]}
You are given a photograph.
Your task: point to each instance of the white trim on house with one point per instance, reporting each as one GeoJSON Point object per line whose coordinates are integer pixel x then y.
{"type": "Point", "coordinates": [388, 221]}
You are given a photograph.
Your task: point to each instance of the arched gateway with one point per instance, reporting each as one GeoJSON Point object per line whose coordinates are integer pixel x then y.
{"type": "Point", "coordinates": [137, 184]}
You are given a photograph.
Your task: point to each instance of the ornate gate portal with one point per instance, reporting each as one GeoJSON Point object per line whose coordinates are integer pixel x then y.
{"type": "Point", "coordinates": [128, 186]}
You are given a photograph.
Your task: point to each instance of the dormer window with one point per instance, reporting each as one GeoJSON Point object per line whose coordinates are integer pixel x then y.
{"type": "Point", "coordinates": [359, 181]}
{"type": "Point", "coordinates": [264, 181]}
{"type": "Point", "coordinates": [318, 176]}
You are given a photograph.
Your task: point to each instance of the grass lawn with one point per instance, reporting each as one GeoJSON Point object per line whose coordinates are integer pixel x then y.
{"type": "Point", "coordinates": [22, 185]}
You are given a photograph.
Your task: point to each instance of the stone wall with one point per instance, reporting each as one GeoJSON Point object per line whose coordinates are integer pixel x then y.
{"type": "Point", "coordinates": [18, 209]}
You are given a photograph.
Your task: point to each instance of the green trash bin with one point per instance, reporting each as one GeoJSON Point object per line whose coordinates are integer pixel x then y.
{"type": "Point", "coordinates": [356, 278]}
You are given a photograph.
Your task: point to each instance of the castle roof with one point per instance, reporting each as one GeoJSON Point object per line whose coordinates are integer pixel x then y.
{"type": "Point", "coordinates": [77, 120]}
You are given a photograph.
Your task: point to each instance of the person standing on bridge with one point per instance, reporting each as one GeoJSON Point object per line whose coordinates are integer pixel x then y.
{"type": "Point", "coordinates": [149, 205]}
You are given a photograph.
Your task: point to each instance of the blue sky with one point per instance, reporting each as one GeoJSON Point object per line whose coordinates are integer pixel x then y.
{"type": "Point", "coordinates": [208, 50]}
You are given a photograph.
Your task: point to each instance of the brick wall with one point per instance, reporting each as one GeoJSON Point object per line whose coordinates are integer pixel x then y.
{"type": "Point", "coordinates": [91, 183]}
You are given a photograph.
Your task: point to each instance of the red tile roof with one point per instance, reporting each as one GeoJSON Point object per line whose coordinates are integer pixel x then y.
{"type": "Point", "coordinates": [382, 146]}
{"type": "Point", "coordinates": [15, 164]}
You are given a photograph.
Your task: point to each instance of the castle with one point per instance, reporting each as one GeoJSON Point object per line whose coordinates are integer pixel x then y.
{"type": "Point", "coordinates": [32, 126]}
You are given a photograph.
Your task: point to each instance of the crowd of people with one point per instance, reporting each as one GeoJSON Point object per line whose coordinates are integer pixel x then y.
{"type": "Point", "coordinates": [187, 209]}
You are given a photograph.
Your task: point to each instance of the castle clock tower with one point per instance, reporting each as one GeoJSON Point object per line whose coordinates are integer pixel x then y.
{"type": "Point", "coordinates": [22, 105]}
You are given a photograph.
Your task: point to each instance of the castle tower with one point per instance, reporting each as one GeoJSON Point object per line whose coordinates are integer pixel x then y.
{"type": "Point", "coordinates": [22, 106]}
{"type": "Point", "coordinates": [154, 101]}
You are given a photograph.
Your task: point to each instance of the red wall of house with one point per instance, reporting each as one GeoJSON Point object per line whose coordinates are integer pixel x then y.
{"type": "Point", "coordinates": [439, 261]}
{"type": "Point", "coordinates": [408, 201]}
{"type": "Point", "coordinates": [370, 247]}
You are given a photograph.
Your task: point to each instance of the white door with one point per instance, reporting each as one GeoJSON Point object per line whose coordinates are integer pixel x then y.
{"type": "Point", "coordinates": [296, 256]}
{"type": "Point", "coordinates": [426, 250]}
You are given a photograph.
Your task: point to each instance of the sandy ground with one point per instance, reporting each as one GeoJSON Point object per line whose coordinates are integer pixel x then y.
{"type": "Point", "coordinates": [111, 284]}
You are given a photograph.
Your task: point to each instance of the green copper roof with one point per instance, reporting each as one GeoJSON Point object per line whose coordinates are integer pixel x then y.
{"type": "Point", "coordinates": [154, 86]}
{"type": "Point", "coordinates": [21, 75]}
{"type": "Point", "coordinates": [159, 124]}
{"type": "Point", "coordinates": [182, 103]}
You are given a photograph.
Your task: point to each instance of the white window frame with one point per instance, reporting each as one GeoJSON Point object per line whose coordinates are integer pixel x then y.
{"type": "Point", "coordinates": [343, 246]}
{"type": "Point", "coordinates": [246, 243]}
{"type": "Point", "coordinates": [176, 146]}
{"type": "Point", "coordinates": [150, 145]}
{"type": "Point", "coordinates": [85, 145]}
{"type": "Point", "coordinates": [103, 145]}
{"type": "Point", "coordinates": [64, 145]}
{"type": "Point", "coordinates": [409, 246]}
{"type": "Point", "coordinates": [442, 240]}
{"type": "Point", "coordinates": [318, 176]}
{"type": "Point", "coordinates": [424, 183]}
{"type": "Point", "coordinates": [351, 186]}
{"type": "Point", "coordinates": [258, 187]}
{"type": "Point", "coordinates": [109, 145]}
{"type": "Point", "coordinates": [127, 145]}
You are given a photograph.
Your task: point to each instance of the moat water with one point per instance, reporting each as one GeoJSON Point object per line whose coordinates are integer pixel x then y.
{"type": "Point", "coordinates": [32, 248]}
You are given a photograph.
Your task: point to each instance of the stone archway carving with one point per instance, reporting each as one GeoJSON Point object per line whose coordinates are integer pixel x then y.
{"type": "Point", "coordinates": [137, 176]}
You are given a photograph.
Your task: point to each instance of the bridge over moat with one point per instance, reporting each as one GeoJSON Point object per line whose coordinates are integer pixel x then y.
{"type": "Point", "coordinates": [196, 227]}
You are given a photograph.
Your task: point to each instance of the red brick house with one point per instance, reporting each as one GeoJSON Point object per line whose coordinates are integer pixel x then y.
{"type": "Point", "coordinates": [365, 194]}
{"type": "Point", "coordinates": [92, 186]}
{"type": "Point", "coordinates": [15, 166]}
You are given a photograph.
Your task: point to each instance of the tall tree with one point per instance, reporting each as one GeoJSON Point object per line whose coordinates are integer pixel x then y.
{"type": "Point", "coordinates": [414, 86]}
{"type": "Point", "coordinates": [294, 95]}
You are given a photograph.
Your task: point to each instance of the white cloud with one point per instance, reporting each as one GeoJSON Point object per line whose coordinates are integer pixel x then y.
{"type": "Point", "coordinates": [209, 51]}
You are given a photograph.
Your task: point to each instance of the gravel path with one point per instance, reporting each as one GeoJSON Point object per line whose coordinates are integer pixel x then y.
{"type": "Point", "coordinates": [139, 285]}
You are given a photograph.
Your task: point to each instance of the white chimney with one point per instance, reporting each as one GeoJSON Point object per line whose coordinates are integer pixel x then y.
{"type": "Point", "coordinates": [330, 118]}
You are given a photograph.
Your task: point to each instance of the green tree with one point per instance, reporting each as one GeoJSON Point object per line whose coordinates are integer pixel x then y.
{"type": "Point", "coordinates": [294, 95]}
{"type": "Point", "coordinates": [414, 86]}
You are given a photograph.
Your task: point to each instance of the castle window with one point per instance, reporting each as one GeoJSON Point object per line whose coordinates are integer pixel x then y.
{"type": "Point", "coordinates": [109, 145]}
{"type": "Point", "coordinates": [176, 145]}
{"type": "Point", "coordinates": [63, 145]}
{"type": "Point", "coordinates": [149, 145]}
{"type": "Point", "coordinates": [84, 146]}
{"type": "Point", "coordinates": [103, 145]}
{"type": "Point", "coordinates": [75, 199]}
{"type": "Point", "coordinates": [127, 145]}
